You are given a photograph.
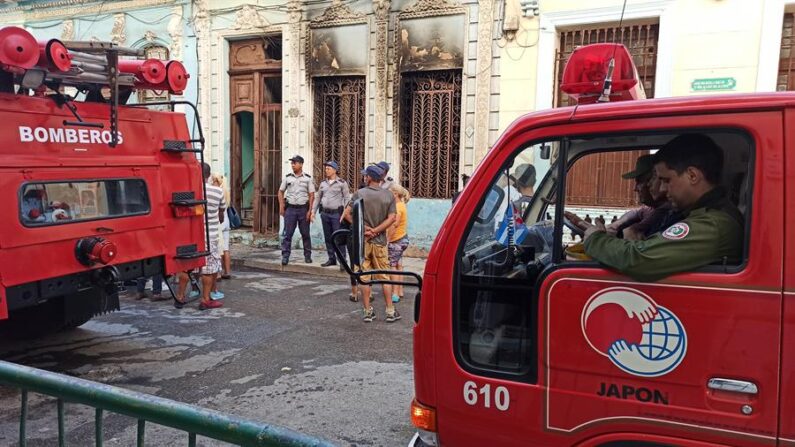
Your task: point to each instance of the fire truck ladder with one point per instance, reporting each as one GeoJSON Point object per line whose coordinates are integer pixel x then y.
{"type": "Point", "coordinates": [176, 147]}
{"type": "Point", "coordinates": [196, 421]}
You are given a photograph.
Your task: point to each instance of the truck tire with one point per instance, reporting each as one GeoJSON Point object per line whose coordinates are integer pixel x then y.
{"type": "Point", "coordinates": [33, 322]}
{"type": "Point", "coordinates": [74, 324]}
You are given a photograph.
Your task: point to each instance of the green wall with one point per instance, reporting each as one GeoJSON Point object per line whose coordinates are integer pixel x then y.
{"type": "Point", "coordinates": [247, 156]}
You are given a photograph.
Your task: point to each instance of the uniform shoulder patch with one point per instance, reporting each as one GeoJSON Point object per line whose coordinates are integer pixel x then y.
{"type": "Point", "coordinates": [676, 231]}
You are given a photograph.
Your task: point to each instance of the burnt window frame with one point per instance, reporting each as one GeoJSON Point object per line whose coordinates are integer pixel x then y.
{"type": "Point", "coordinates": [24, 185]}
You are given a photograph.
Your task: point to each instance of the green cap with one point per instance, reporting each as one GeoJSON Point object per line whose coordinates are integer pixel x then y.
{"type": "Point", "coordinates": [643, 166]}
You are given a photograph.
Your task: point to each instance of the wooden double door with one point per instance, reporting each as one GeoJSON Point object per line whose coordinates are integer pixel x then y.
{"type": "Point", "coordinates": [256, 149]}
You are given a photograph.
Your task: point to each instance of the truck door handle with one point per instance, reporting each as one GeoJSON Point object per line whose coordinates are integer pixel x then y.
{"type": "Point", "coordinates": [733, 386]}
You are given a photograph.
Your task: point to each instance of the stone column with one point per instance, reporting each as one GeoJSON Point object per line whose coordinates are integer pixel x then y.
{"type": "Point", "coordinates": [381, 9]}
{"type": "Point", "coordinates": [202, 27]}
{"type": "Point", "coordinates": [483, 77]}
{"type": "Point", "coordinates": [292, 114]}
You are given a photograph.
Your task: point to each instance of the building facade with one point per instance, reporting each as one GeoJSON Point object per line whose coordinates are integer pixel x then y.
{"type": "Point", "coordinates": [427, 85]}
{"type": "Point", "coordinates": [412, 82]}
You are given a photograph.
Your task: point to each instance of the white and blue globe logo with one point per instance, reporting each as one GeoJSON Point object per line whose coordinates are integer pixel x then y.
{"type": "Point", "coordinates": [637, 335]}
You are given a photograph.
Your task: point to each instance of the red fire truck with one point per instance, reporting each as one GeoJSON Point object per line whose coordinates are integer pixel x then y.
{"type": "Point", "coordinates": [518, 342]}
{"type": "Point", "coordinates": [94, 191]}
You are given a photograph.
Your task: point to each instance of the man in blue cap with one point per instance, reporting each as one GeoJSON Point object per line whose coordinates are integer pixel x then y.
{"type": "Point", "coordinates": [386, 181]}
{"type": "Point", "coordinates": [378, 214]}
{"type": "Point", "coordinates": [333, 195]}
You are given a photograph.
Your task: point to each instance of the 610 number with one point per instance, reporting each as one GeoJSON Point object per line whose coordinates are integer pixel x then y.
{"type": "Point", "coordinates": [502, 400]}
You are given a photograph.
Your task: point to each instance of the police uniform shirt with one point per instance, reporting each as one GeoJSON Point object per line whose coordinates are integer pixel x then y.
{"type": "Point", "coordinates": [296, 189]}
{"type": "Point", "coordinates": [711, 231]}
{"type": "Point", "coordinates": [333, 195]}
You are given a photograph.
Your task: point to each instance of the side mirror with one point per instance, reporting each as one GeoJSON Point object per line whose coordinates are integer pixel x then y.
{"type": "Point", "coordinates": [357, 233]}
{"type": "Point", "coordinates": [491, 205]}
{"type": "Point", "coordinates": [545, 152]}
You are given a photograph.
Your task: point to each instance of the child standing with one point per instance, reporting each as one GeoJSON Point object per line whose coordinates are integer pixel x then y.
{"type": "Point", "coordinates": [398, 237]}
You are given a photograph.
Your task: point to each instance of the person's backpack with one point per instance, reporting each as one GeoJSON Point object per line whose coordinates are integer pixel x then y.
{"type": "Point", "coordinates": [234, 218]}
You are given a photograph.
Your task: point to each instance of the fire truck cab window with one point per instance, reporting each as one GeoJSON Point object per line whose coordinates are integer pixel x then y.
{"type": "Point", "coordinates": [56, 203]}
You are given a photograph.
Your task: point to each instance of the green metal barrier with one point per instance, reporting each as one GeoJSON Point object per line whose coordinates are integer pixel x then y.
{"type": "Point", "coordinates": [145, 408]}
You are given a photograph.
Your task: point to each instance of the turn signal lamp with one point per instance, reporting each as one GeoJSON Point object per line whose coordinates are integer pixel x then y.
{"type": "Point", "coordinates": [423, 417]}
{"type": "Point", "coordinates": [601, 72]}
{"type": "Point", "coordinates": [188, 211]}
{"type": "Point", "coordinates": [18, 49]}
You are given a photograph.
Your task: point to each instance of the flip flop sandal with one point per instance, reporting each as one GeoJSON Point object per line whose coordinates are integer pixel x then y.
{"type": "Point", "coordinates": [353, 298]}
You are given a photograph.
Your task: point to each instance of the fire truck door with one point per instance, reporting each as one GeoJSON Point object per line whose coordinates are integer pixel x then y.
{"type": "Point", "coordinates": [696, 351]}
{"type": "Point", "coordinates": [787, 426]}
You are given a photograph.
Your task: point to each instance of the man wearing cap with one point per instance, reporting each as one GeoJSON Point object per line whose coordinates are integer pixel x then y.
{"type": "Point", "coordinates": [296, 196]}
{"type": "Point", "coordinates": [387, 181]}
{"type": "Point", "coordinates": [524, 177]}
{"type": "Point", "coordinates": [711, 230]}
{"type": "Point", "coordinates": [379, 213]}
{"type": "Point", "coordinates": [333, 195]}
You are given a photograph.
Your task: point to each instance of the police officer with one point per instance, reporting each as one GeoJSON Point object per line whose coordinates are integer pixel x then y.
{"type": "Point", "coordinates": [689, 169]}
{"type": "Point", "coordinates": [333, 195]}
{"type": "Point", "coordinates": [387, 181]}
{"type": "Point", "coordinates": [296, 196]}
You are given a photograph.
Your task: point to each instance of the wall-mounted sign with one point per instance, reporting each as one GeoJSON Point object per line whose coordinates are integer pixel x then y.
{"type": "Point", "coordinates": [713, 84]}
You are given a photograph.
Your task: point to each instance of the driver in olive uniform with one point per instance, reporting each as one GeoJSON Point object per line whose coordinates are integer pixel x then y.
{"type": "Point", "coordinates": [689, 168]}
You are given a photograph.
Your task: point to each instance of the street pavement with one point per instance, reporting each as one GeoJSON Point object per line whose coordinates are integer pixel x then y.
{"type": "Point", "coordinates": [287, 349]}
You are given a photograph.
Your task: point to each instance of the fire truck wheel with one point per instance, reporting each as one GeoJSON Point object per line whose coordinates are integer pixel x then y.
{"type": "Point", "coordinates": [74, 324]}
{"type": "Point", "coordinates": [33, 322]}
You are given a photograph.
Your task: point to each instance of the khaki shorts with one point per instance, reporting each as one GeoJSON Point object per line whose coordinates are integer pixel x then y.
{"type": "Point", "coordinates": [375, 258]}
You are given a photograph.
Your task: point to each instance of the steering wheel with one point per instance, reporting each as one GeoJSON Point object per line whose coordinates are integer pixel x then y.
{"type": "Point", "coordinates": [574, 228]}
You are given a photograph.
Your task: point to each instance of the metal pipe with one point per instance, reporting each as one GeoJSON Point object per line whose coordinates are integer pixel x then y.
{"type": "Point", "coordinates": [61, 425]}
{"type": "Point", "coordinates": [182, 416]}
{"type": "Point", "coordinates": [85, 57]}
{"type": "Point", "coordinates": [23, 416]}
{"type": "Point", "coordinates": [88, 66]}
{"type": "Point", "coordinates": [92, 78]}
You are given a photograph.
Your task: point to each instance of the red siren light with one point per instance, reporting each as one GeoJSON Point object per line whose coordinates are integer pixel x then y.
{"type": "Point", "coordinates": [588, 67]}
{"type": "Point", "coordinates": [149, 72]}
{"type": "Point", "coordinates": [18, 49]}
{"type": "Point", "coordinates": [177, 77]}
{"type": "Point", "coordinates": [54, 55]}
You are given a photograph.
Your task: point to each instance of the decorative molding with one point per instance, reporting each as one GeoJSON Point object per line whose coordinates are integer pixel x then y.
{"type": "Point", "coordinates": [338, 14]}
{"type": "Point", "coordinates": [76, 8]}
{"type": "Point", "coordinates": [118, 35]}
{"type": "Point", "coordinates": [483, 76]}
{"type": "Point", "coordinates": [430, 8]}
{"type": "Point", "coordinates": [175, 31]}
{"type": "Point", "coordinates": [68, 30]}
{"type": "Point", "coordinates": [294, 11]}
{"type": "Point", "coordinates": [248, 17]}
{"type": "Point", "coordinates": [381, 9]}
{"type": "Point", "coordinates": [150, 36]}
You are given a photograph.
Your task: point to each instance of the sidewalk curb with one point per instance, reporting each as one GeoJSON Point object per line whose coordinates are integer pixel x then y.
{"type": "Point", "coordinates": [259, 264]}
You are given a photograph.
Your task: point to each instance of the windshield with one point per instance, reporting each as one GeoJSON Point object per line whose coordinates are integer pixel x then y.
{"type": "Point", "coordinates": [513, 218]}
